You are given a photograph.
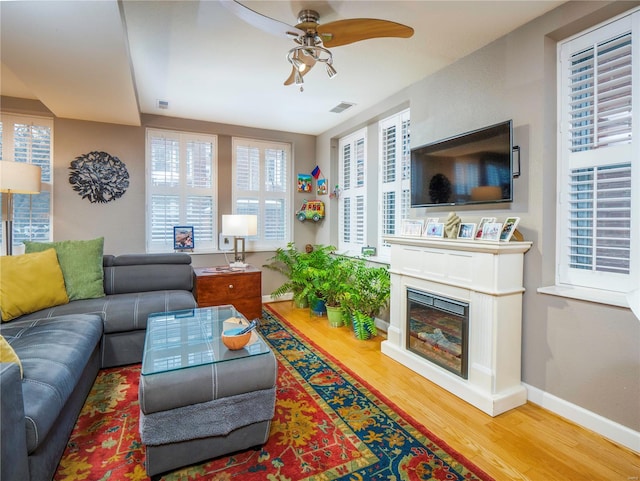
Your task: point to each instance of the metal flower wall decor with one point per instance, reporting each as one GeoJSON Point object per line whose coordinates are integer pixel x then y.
{"type": "Point", "coordinates": [99, 177]}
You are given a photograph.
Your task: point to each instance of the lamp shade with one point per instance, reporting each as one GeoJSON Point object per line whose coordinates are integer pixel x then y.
{"type": "Point", "coordinates": [19, 178]}
{"type": "Point", "coordinates": [240, 225]}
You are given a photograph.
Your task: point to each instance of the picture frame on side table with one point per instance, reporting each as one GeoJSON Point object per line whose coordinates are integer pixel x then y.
{"type": "Point", "coordinates": [466, 231]}
{"type": "Point", "coordinates": [508, 228]}
{"type": "Point", "coordinates": [491, 231]}
{"type": "Point", "coordinates": [483, 222]}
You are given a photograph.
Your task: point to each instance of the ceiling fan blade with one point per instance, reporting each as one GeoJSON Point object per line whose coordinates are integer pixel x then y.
{"type": "Point", "coordinates": [267, 24]}
{"type": "Point", "coordinates": [344, 32]}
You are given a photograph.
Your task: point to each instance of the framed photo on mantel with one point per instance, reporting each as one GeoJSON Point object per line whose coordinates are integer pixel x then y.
{"type": "Point", "coordinates": [466, 231]}
{"type": "Point", "coordinates": [508, 228]}
{"type": "Point", "coordinates": [484, 221]}
{"type": "Point", "coordinates": [412, 227]}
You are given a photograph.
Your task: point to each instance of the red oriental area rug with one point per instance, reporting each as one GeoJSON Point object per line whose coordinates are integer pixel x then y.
{"type": "Point", "coordinates": [329, 424]}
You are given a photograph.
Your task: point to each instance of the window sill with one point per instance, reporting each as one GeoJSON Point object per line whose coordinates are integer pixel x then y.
{"type": "Point", "coordinates": [586, 294]}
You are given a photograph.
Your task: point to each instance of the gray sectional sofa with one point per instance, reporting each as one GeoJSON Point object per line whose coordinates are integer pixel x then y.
{"type": "Point", "coordinates": [62, 349]}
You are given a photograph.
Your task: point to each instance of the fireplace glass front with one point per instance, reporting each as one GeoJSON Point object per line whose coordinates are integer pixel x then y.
{"type": "Point", "coordinates": [438, 330]}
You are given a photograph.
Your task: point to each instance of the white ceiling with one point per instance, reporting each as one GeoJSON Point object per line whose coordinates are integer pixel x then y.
{"type": "Point", "coordinates": [109, 61]}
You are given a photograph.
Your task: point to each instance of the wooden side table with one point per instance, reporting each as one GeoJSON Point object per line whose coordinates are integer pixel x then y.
{"type": "Point", "coordinates": [215, 286]}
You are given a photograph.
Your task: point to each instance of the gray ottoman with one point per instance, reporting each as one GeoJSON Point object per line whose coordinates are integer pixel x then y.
{"type": "Point", "coordinates": [215, 407]}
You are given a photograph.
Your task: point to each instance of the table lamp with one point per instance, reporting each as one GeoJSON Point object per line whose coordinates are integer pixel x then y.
{"type": "Point", "coordinates": [239, 226]}
{"type": "Point", "coordinates": [16, 178]}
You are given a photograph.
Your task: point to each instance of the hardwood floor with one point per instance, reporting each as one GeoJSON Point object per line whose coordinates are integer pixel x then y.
{"type": "Point", "coordinates": [526, 443]}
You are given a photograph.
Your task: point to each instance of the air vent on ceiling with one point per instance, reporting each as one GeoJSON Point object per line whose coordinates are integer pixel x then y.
{"type": "Point", "coordinates": [162, 104]}
{"type": "Point", "coordinates": [341, 107]}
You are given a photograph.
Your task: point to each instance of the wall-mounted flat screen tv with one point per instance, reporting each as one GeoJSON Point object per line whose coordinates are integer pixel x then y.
{"type": "Point", "coordinates": [471, 168]}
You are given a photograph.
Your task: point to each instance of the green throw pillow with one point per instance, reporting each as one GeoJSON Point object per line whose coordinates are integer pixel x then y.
{"type": "Point", "coordinates": [81, 264]}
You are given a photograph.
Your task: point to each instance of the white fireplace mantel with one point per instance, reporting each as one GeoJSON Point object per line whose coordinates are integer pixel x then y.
{"type": "Point", "coordinates": [488, 276]}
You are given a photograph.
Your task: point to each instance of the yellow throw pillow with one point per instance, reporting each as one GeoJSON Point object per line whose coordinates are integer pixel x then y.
{"type": "Point", "coordinates": [30, 282]}
{"type": "Point", "coordinates": [7, 354]}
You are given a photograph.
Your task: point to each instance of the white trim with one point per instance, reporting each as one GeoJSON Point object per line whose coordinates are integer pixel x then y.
{"type": "Point", "coordinates": [588, 294]}
{"type": "Point", "coordinates": [587, 419]}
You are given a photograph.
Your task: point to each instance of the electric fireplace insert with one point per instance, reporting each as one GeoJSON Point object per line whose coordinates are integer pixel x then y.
{"type": "Point", "coordinates": [438, 330]}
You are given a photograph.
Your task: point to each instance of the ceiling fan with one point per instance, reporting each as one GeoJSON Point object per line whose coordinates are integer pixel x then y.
{"type": "Point", "coordinates": [314, 39]}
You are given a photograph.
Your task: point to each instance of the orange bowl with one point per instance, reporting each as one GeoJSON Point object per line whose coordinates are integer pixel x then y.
{"type": "Point", "coordinates": [233, 341]}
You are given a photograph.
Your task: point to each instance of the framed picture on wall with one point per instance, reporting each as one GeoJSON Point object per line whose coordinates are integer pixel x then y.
{"type": "Point", "coordinates": [183, 237]}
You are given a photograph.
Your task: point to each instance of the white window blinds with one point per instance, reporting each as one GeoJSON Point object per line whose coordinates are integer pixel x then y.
{"type": "Point", "coordinates": [181, 188]}
{"type": "Point", "coordinates": [395, 178]}
{"type": "Point", "coordinates": [353, 205]}
{"type": "Point", "coordinates": [599, 159]}
{"type": "Point", "coordinates": [30, 140]}
{"type": "Point", "coordinates": [262, 179]}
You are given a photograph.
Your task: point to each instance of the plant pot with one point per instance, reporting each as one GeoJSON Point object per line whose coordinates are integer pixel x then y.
{"type": "Point", "coordinates": [318, 307]}
{"type": "Point", "coordinates": [301, 303]}
{"type": "Point", "coordinates": [334, 315]}
{"type": "Point", "coordinates": [363, 326]}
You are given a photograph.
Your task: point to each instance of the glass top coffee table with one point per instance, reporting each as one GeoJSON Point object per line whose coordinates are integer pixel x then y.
{"type": "Point", "coordinates": [184, 339]}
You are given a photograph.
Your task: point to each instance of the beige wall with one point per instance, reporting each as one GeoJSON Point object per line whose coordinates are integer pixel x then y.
{"type": "Point", "coordinates": [122, 221]}
{"type": "Point", "coordinates": [585, 353]}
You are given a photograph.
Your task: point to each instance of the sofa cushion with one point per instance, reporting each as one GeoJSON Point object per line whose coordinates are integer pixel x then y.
{"type": "Point", "coordinates": [7, 354]}
{"type": "Point", "coordinates": [30, 282]}
{"type": "Point", "coordinates": [54, 353]}
{"type": "Point", "coordinates": [81, 264]}
{"type": "Point", "coordinates": [123, 312]}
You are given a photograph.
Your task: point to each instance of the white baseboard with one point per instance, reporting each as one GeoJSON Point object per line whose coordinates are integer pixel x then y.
{"type": "Point", "coordinates": [285, 297]}
{"type": "Point", "coordinates": [587, 419]}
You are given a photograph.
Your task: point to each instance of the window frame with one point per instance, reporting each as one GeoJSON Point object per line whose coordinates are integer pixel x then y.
{"type": "Point", "coordinates": [8, 153]}
{"type": "Point", "coordinates": [182, 190]}
{"type": "Point", "coordinates": [261, 194]}
{"type": "Point", "coordinates": [602, 287]}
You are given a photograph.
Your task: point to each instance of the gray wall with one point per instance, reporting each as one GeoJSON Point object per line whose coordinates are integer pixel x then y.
{"type": "Point", "coordinates": [585, 353]}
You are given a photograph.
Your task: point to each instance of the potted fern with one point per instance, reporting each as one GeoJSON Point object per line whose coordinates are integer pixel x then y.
{"type": "Point", "coordinates": [304, 271]}
{"type": "Point", "coordinates": [368, 295]}
{"type": "Point", "coordinates": [286, 262]}
{"type": "Point", "coordinates": [315, 264]}
{"type": "Point", "coordinates": [333, 284]}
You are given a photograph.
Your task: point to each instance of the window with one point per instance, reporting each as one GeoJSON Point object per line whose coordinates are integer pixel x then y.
{"type": "Point", "coordinates": [598, 211]}
{"type": "Point", "coordinates": [353, 222]}
{"type": "Point", "coordinates": [30, 140]}
{"type": "Point", "coordinates": [262, 180]}
{"type": "Point", "coordinates": [395, 177]}
{"type": "Point", "coordinates": [181, 188]}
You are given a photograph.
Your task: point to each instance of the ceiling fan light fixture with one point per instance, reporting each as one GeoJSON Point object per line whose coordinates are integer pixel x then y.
{"type": "Point", "coordinates": [331, 72]}
{"type": "Point", "coordinates": [303, 57]}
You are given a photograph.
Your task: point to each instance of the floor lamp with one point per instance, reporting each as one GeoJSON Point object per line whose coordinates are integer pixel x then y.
{"type": "Point", "coordinates": [239, 226]}
{"type": "Point", "coordinates": [16, 178]}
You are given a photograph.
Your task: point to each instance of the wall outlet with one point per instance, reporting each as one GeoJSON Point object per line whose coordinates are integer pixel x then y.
{"type": "Point", "coordinates": [225, 243]}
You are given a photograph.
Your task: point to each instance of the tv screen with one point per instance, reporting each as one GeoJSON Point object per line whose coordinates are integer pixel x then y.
{"type": "Point", "coordinates": [472, 168]}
